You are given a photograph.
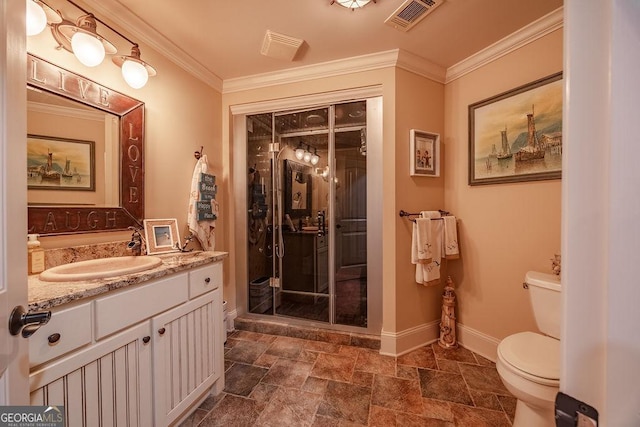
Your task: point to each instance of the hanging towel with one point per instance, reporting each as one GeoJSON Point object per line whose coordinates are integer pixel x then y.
{"type": "Point", "coordinates": [421, 243]}
{"type": "Point", "coordinates": [427, 267]}
{"type": "Point", "coordinates": [203, 231]}
{"type": "Point", "coordinates": [451, 250]}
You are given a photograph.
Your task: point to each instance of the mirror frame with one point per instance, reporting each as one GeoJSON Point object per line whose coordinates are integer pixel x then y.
{"type": "Point", "coordinates": [291, 167]}
{"type": "Point", "coordinates": [56, 220]}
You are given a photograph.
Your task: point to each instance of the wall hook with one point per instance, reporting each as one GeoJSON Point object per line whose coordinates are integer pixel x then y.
{"type": "Point", "coordinates": [198, 154]}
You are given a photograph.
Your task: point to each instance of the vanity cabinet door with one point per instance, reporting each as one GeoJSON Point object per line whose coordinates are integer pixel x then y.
{"type": "Point", "coordinates": [187, 355]}
{"type": "Point", "coordinates": [108, 384]}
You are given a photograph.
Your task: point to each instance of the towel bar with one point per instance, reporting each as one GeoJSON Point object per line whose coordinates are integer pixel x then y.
{"type": "Point", "coordinates": [404, 213]}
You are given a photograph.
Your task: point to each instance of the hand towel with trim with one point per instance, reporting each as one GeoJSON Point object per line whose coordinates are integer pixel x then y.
{"type": "Point", "coordinates": [203, 231]}
{"type": "Point", "coordinates": [451, 249]}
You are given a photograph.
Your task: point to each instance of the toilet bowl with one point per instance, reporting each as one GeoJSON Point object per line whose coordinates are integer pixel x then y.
{"type": "Point", "coordinates": [528, 362]}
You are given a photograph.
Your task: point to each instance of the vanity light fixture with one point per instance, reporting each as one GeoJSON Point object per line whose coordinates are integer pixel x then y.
{"type": "Point", "coordinates": [135, 71]}
{"type": "Point", "coordinates": [299, 153]}
{"type": "Point", "coordinates": [82, 39]}
{"type": "Point", "coordinates": [314, 157]}
{"type": "Point", "coordinates": [307, 155]}
{"type": "Point", "coordinates": [352, 4]}
{"type": "Point", "coordinates": [38, 14]}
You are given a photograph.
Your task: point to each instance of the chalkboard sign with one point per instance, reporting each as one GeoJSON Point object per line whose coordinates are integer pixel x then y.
{"type": "Point", "coordinates": [207, 188]}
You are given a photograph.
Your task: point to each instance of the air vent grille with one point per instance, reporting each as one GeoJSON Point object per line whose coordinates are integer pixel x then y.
{"type": "Point", "coordinates": [411, 12]}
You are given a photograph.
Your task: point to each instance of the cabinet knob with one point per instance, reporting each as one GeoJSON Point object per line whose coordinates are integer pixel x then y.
{"type": "Point", "coordinates": [53, 338]}
{"type": "Point", "coordinates": [161, 331]}
{"type": "Point", "coordinates": [146, 339]}
{"type": "Point", "coordinates": [207, 280]}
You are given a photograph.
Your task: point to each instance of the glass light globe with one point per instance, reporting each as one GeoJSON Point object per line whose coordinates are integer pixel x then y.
{"type": "Point", "coordinates": [135, 74]}
{"type": "Point", "coordinates": [36, 18]}
{"type": "Point", "coordinates": [299, 153]}
{"type": "Point", "coordinates": [353, 4]}
{"type": "Point", "coordinates": [315, 159]}
{"type": "Point", "coordinates": [88, 49]}
{"type": "Point", "coordinates": [307, 156]}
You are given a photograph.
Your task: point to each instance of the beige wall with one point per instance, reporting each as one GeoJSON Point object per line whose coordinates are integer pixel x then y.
{"type": "Point", "coordinates": [504, 229]}
{"type": "Point", "coordinates": [182, 114]}
{"type": "Point", "coordinates": [409, 101]}
{"type": "Point", "coordinates": [419, 105]}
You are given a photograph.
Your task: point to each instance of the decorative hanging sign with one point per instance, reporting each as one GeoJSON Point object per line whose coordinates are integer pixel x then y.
{"type": "Point", "coordinates": [207, 188]}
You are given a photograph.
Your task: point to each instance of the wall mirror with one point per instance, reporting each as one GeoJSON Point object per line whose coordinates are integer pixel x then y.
{"type": "Point", "coordinates": [82, 182]}
{"type": "Point", "coordinates": [297, 189]}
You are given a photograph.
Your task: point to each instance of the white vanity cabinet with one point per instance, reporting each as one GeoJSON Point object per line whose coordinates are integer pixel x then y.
{"type": "Point", "coordinates": [139, 356]}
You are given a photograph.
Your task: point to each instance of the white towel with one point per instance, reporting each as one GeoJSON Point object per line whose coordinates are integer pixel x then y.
{"type": "Point", "coordinates": [451, 249]}
{"type": "Point", "coordinates": [422, 241]}
{"type": "Point", "coordinates": [427, 267]}
{"type": "Point", "coordinates": [204, 231]}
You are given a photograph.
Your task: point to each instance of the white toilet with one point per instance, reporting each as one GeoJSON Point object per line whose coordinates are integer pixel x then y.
{"type": "Point", "coordinates": [528, 362]}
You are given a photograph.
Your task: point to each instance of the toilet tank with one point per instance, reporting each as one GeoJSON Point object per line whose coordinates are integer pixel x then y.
{"type": "Point", "coordinates": [544, 294]}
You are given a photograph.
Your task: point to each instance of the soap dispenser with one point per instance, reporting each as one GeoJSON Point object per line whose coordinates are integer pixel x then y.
{"type": "Point", "coordinates": [35, 254]}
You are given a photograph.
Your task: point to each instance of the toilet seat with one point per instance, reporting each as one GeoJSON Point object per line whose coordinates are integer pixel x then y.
{"type": "Point", "coordinates": [532, 356]}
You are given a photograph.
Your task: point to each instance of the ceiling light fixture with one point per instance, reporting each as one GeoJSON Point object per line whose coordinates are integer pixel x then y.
{"type": "Point", "coordinates": [82, 39]}
{"type": "Point", "coordinates": [352, 4]}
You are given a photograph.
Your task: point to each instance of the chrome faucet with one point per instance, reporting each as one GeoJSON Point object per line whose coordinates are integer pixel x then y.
{"type": "Point", "coordinates": [137, 243]}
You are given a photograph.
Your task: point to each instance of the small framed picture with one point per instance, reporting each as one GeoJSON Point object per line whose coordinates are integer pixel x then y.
{"type": "Point", "coordinates": [161, 235]}
{"type": "Point", "coordinates": [425, 153]}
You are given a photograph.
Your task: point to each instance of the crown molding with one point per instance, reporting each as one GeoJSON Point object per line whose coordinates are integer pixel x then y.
{"type": "Point", "coordinates": [338, 67]}
{"type": "Point", "coordinates": [421, 66]}
{"type": "Point", "coordinates": [148, 35]}
{"type": "Point", "coordinates": [369, 62]}
{"type": "Point", "coordinates": [528, 34]}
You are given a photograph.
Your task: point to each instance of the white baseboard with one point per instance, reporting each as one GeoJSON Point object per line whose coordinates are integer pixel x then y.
{"type": "Point", "coordinates": [478, 342]}
{"type": "Point", "coordinates": [397, 344]}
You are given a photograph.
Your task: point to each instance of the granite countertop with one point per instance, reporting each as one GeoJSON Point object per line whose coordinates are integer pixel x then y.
{"type": "Point", "coordinates": [46, 295]}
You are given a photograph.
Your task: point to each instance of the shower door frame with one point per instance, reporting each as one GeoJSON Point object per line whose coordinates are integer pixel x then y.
{"type": "Point", "coordinates": [373, 96]}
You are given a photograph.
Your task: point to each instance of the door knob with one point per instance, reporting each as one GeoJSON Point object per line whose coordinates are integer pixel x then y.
{"type": "Point", "coordinates": [28, 323]}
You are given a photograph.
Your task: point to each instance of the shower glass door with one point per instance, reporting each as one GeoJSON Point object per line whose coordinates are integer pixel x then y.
{"type": "Point", "coordinates": [307, 214]}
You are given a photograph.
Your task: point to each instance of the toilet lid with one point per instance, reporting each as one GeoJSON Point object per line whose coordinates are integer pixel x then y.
{"type": "Point", "coordinates": [534, 354]}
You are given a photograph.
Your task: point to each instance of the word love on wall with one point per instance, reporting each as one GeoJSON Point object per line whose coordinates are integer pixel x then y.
{"type": "Point", "coordinates": [206, 206]}
{"type": "Point", "coordinates": [66, 219]}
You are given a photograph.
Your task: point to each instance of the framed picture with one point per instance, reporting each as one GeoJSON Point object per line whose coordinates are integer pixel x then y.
{"type": "Point", "coordinates": [161, 235]}
{"type": "Point", "coordinates": [60, 163]}
{"type": "Point", "coordinates": [517, 135]}
{"type": "Point", "coordinates": [425, 153]}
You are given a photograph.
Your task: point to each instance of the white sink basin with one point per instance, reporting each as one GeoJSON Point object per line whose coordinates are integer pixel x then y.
{"type": "Point", "coordinates": [99, 268]}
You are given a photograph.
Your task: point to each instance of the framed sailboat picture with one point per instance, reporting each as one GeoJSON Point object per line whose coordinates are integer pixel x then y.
{"type": "Point", "coordinates": [517, 135]}
{"type": "Point", "coordinates": [60, 163]}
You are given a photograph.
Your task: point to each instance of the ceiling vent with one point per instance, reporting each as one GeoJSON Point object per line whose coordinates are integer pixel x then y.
{"type": "Point", "coordinates": [410, 13]}
{"type": "Point", "coordinates": [280, 46]}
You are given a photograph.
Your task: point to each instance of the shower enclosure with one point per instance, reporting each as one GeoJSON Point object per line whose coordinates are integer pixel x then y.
{"type": "Point", "coordinates": [307, 214]}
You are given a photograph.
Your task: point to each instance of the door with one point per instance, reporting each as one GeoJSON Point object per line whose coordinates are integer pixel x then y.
{"type": "Point", "coordinates": [14, 385]}
{"type": "Point", "coordinates": [307, 216]}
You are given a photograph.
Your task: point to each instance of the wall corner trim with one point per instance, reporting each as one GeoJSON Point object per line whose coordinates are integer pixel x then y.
{"type": "Point", "coordinates": [528, 34]}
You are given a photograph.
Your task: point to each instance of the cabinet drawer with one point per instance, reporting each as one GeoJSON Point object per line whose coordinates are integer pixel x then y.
{"type": "Point", "coordinates": [73, 329]}
{"type": "Point", "coordinates": [130, 306]}
{"type": "Point", "coordinates": [205, 279]}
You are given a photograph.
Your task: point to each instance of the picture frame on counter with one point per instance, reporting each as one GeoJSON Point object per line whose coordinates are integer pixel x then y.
{"type": "Point", "coordinates": [162, 235]}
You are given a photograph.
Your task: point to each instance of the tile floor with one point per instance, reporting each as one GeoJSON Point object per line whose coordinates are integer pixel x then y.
{"type": "Point", "coordinates": [282, 381]}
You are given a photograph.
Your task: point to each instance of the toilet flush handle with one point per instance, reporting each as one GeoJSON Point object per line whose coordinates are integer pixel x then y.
{"type": "Point", "coordinates": [525, 285]}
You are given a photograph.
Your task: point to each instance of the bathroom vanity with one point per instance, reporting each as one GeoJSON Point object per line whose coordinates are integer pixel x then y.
{"type": "Point", "coordinates": [139, 349]}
